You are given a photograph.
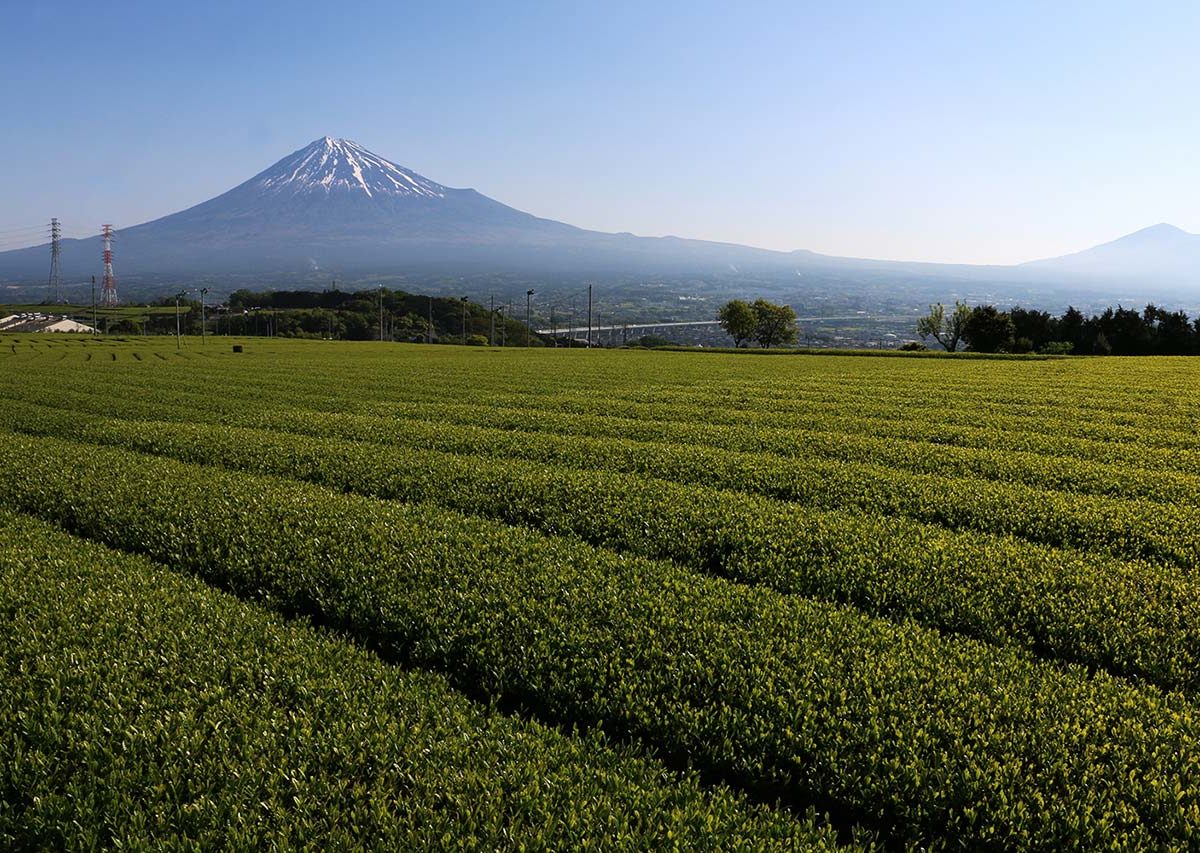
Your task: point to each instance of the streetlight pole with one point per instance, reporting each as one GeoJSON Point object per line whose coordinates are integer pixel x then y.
{"type": "Point", "coordinates": [203, 316]}
{"type": "Point", "coordinates": [178, 296]}
{"type": "Point", "coordinates": [528, 304]}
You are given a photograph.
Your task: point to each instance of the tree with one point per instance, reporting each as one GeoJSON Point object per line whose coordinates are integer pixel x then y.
{"type": "Point", "coordinates": [988, 330]}
{"type": "Point", "coordinates": [947, 331]}
{"type": "Point", "coordinates": [774, 324]}
{"type": "Point", "coordinates": [1036, 328]}
{"type": "Point", "coordinates": [412, 327]}
{"type": "Point", "coordinates": [652, 341]}
{"type": "Point", "coordinates": [1125, 332]}
{"type": "Point", "coordinates": [739, 320]}
{"type": "Point", "coordinates": [1171, 330]}
{"type": "Point", "coordinates": [1072, 329]}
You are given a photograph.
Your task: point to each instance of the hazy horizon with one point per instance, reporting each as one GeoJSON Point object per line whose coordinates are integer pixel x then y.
{"type": "Point", "coordinates": [907, 132]}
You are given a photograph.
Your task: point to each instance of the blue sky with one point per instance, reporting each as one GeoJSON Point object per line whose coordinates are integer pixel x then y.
{"type": "Point", "coordinates": [969, 131]}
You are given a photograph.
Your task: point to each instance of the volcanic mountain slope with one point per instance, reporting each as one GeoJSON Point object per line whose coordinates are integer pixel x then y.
{"type": "Point", "coordinates": [333, 205]}
{"type": "Point", "coordinates": [1159, 256]}
{"type": "Point", "coordinates": [335, 192]}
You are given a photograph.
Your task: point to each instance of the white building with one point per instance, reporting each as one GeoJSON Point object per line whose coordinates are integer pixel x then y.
{"type": "Point", "coordinates": [36, 322]}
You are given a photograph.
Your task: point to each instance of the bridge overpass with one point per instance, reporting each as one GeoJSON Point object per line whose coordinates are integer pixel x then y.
{"type": "Point", "coordinates": [677, 324]}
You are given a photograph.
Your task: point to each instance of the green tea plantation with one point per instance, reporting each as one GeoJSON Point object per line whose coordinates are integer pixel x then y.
{"type": "Point", "coordinates": [332, 595]}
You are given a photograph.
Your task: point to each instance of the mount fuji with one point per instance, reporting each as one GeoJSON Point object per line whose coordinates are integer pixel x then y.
{"type": "Point", "coordinates": [335, 207]}
{"type": "Point", "coordinates": [1161, 255]}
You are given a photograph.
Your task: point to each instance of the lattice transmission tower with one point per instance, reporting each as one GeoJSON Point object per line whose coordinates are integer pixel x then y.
{"type": "Point", "coordinates": [108, 295]}
{"type": "Point", "coordinates": [55, 284]}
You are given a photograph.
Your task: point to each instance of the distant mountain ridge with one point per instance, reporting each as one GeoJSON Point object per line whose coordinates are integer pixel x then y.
{"type": "Point", "coordinates": [335, 208]}
{"type": "Point", "coordinates": [1161, 254]}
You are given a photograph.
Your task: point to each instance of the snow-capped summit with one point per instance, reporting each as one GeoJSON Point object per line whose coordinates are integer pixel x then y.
{"type": "Point", "coordinates": [329, 165]}
{"type": "Point", "coordinates": [332, 205]}
{"type": "Point", "coordinates": [334, 209]}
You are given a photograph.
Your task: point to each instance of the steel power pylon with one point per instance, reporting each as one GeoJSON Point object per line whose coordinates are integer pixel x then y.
{"type": "Point", "coordinates": [55, 284]}
{"type": "Point", "coordinates": [108, 294]}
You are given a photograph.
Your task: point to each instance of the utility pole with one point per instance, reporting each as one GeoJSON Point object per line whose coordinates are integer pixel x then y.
{"type": "Point", "coordinates": [381, 313]}
{"type": "Point", "coordinates": [553, 328]}
{"type": "Point", "coordinates": [503, 328]}
{"type": "Point", "coordinates": [178, 296]}
{"type": "Point", "coordinates": [95, 325]}
{"type": "Point", "coordinates": [589, 336]}
{"type": "Point", "coordinates": [464, 323]}
{"type": "Point", "coordinates": [430, 320]}
{"type": "Point", "coordinates": [492, 325]}
{"type": "Point", "coordinates": [528, 305]}
{"type": "Point", "coordinates": [203, 316]}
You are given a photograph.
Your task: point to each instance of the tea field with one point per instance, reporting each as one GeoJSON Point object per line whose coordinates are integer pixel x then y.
{"type": "Point", "coordinates": [332, 594]}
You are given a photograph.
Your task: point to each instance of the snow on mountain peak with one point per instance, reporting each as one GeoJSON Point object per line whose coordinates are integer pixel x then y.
{"type": "Point", "coordinates": [338, 165]}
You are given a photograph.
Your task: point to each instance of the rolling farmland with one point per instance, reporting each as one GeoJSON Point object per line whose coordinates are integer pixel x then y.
{"type": "Point", "coordinates": [322, 593]}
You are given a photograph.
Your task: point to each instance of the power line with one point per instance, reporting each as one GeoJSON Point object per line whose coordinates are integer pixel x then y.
{"type": "Point", "coordinates": [41, 228]}
{"type": "Point", "coordinates": [21, 239]}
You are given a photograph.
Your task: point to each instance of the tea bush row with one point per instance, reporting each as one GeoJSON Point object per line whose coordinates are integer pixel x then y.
{"type": "Point", "coordinates": [1127, 617]}
{"type": "Point", "coordinates": [1127, 528]}
{"type": "Point", "coordinates": [143, 709]}
{"type": "Point", "coordinates": [929, 739]}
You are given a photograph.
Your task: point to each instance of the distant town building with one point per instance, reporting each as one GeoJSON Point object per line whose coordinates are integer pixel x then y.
{"type": "Point", "coordinates": [35, 322]}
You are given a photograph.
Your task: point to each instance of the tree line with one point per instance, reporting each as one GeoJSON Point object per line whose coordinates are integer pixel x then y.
{"type": "Point", "coordinates": [358, 315]}
{"type": "Point", "coordinates": [1116, 331]}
